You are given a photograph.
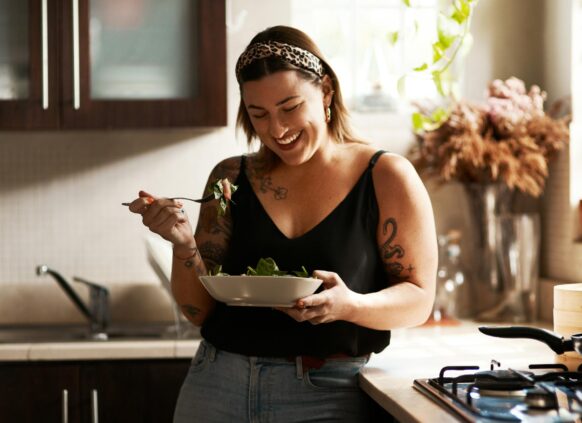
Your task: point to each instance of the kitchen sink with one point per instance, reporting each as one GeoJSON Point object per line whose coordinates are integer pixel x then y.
{"type": "Point", "coordinates": [79, 333]}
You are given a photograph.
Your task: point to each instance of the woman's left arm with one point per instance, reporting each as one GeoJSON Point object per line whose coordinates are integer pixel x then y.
{"type": "Point", "coordinates": [407, 245]}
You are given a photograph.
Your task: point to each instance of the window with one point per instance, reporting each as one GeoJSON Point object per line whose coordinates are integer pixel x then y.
{"type": "Point", "coordinates": [371, 44]}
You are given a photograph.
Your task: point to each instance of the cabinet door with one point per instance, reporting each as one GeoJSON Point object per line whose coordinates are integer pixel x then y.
{"type": "Point", "coordinates": [132, 391]}
{"type": "Point", "coordinates": [28, 64]}
{"type": "Point", "coordinates": [39, 392]}
{"type": "Point", "coordinates": [143, 63]}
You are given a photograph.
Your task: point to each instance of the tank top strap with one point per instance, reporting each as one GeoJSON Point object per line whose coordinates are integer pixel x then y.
{"type": "Point", "coordinates": [243, 162]}
{"type": "Point", "coordinates": [375, 158]}
{"type": "Point", "coordinates": [241, 173]}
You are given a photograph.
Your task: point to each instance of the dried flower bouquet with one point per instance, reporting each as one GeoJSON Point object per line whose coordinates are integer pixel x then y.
{"type": "Point", "coordinates": [509, 139]}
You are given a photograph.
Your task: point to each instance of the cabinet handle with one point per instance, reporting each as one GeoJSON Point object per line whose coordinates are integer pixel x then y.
{"type": "Point", "coordinates": [94, 406]}
{"type": "Point", "coordinates": [76, 77]}
{"type": "Point", "coordinates": [65, 406]}
{"type": "Point", "coordinates": [44, 57]}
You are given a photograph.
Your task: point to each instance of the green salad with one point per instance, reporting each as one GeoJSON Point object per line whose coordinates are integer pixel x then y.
{"type": "Point", "coordinates": [265, 267]}
{"type": "Point", "coordinates": [223, 190]}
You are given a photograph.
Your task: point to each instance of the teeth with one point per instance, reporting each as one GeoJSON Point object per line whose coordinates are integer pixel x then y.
{"type": "Point", "coordinates": [289, 140]}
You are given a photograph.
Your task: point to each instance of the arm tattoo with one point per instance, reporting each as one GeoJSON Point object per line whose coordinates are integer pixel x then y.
{"type": "Point", "coordinates": [195, 260]}
{"type": "Point", "coordinates": [213, 254]}
{"type": "Point", "coordinates": [214, 225]}
{"type": "Point", "coordinates": [393, 268]}
{"type": "Point", "coordinates": [190, 311]}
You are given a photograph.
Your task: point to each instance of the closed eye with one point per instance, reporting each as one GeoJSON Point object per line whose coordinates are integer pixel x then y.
{"type": "Point", "coordinates": [259, 116]}
{"type": "Point", "coordinates": [290, 109]}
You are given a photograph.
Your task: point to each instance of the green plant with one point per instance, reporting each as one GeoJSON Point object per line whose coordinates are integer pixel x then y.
{"type": "Point", "coordinates": [453, 35]}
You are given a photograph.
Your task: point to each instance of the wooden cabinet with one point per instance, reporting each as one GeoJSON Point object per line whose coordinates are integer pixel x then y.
{"type": "Point", "coordinates": [94, 64]}
{"type": "Point", "coordinates": [39, 392]}
{"type": "Point", "coordinates": [123, 391]}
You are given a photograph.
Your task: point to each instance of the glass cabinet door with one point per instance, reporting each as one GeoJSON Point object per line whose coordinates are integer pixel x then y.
{"type": "Point", "coordinates": [28, 77]}
{"type": "Point", "coordinates": [67, 64]}
{"type": "Point", "coordinates": [14, 59]}
{"type": "Point", "coordinates": [142, 49]}
{"type": "Point", "coordinates": [144, 63]}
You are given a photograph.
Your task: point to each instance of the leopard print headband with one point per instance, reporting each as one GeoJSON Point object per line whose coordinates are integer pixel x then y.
{"type": "Point", "coordinates": [287, 52]}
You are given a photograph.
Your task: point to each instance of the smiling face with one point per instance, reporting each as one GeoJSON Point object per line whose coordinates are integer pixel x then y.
{"type": "Point", "coordinates": [288, 114]}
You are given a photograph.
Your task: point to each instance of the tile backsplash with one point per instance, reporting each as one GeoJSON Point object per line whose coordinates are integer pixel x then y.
{"type": "Point", "coordinates": [61, 194]}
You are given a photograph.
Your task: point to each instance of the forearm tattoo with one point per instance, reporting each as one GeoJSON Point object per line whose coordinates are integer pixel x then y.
{"type": "Point", "coordinates": [391, 254]}
{"type": "Point", "coordinates": [195, 260]}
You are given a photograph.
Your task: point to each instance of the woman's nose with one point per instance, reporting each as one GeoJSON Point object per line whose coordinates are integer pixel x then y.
{"type": "Point", "coordinates": [277, 129]}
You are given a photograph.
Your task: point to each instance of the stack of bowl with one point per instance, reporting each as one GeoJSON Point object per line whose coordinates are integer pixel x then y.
{"type": "Point", "coordinates": [568, 319]}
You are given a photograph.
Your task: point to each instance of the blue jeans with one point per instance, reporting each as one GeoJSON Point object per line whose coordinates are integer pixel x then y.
{"type": "Point", "coordinates": [225, 387]}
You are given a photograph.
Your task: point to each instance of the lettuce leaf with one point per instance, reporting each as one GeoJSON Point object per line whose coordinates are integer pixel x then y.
{"type": "Point", "coordinates": [218, 191]}
{"type": "Point", "coordinates": [264, 267]}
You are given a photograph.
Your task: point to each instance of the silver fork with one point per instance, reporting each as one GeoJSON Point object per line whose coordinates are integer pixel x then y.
{"type": "Point", "coordinates": [206, 199]}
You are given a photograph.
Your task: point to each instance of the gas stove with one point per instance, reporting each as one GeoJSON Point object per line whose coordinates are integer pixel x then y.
{"type": "Point", "coordinates": [542, 393]}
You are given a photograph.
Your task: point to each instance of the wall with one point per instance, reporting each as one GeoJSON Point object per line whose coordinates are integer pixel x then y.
{"type": "Point", "coordinates": [507, 41]}
{"type": "Point", "coordinates": [562, 256]}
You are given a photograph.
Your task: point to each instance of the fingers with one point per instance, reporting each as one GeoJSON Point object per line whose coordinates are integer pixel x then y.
{"type": "Point", "coordinates": [314, 315]}
{"type": "Point", "coordinates": [329, 305]}
{"type": "Point", "coordinates": [141, 204]}
{"type": "Point", "coordinates": [158, 213]}
{"type": "Point", "coordinates": [163, 213]}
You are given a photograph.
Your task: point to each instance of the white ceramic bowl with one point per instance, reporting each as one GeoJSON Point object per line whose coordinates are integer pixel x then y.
{"type": "Point", "coordinates": [259, 291]}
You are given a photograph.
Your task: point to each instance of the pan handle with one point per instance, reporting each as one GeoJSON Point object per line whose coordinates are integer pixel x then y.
{"type": "Point", "coordinates": [551, 339]}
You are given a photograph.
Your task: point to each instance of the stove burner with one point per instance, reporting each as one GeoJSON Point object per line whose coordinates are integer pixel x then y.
{"type": "Point", "coordinates": [500, 393]}
{"type": "Point", "coordinates": [540, 399]}
{"type": "Point", "coordinates": [542, 393]}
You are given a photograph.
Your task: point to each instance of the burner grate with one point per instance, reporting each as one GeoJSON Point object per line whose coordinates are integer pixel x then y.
{"type": "Point", "coordinates": [502, 395]}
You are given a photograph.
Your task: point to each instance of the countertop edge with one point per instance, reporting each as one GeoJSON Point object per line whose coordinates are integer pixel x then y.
{"type": "Point", "coordinates": [95, 351]}
{"type": "Point", "coordinates": [386, 402]}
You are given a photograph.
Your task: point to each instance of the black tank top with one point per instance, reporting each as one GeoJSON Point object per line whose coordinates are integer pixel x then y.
{"type": "Point", "coordinates": [344, 242]}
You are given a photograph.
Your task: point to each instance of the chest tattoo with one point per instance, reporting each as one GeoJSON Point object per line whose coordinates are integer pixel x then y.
{"type": "Point", "coordinates": [266, 185]}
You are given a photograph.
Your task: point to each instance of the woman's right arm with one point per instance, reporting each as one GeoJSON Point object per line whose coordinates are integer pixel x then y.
{"type": "Point", "coordinates": [204, 251]}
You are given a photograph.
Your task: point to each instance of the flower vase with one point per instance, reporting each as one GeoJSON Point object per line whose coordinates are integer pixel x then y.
{"type": "Point", "coordinates": [486, 202]}
{"type": "Point", "coordinates": [518, 250]}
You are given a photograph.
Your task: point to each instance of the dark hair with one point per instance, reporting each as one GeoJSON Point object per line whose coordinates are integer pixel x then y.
{"type": "Point", "coordinates": [339, 124]}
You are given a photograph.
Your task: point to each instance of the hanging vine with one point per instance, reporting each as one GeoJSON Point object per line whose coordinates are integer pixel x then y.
{"type": "Point", "coordinates": [453, 35]}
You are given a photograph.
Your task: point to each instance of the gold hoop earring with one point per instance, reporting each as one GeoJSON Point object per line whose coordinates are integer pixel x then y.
{"type": "Point", "coordinates": [328, 114]}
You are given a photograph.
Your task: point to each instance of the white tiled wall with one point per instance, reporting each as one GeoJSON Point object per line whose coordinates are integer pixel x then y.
{"type": "Point", "coordinates": [562, 255]}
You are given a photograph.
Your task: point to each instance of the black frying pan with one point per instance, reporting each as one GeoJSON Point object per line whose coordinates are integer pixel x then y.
{"type": "Point", "coordinates": [556, 342]}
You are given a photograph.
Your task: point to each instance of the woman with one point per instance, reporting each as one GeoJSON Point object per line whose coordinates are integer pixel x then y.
{"type": "Point", "coordinates": [315, 196]}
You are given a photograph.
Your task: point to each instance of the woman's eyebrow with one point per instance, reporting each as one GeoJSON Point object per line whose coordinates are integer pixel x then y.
{"type": "Point", "coordinates": [285, 100]}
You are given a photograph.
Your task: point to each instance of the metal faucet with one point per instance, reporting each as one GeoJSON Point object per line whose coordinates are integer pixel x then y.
{"type": "Point", "coordinates": [98, 310]}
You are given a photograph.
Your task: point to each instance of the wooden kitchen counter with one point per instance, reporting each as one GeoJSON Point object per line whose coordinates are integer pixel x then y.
{"type": "Point", "coordinates": [417, 353]}
{"type": "Point", "coordinates": [420, 353]}
{"type": "Point", "coordinates": [99, 350]}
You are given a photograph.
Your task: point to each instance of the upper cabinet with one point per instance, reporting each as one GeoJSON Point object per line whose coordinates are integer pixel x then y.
{"type": "Point", "coordinates": [90, 64]}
